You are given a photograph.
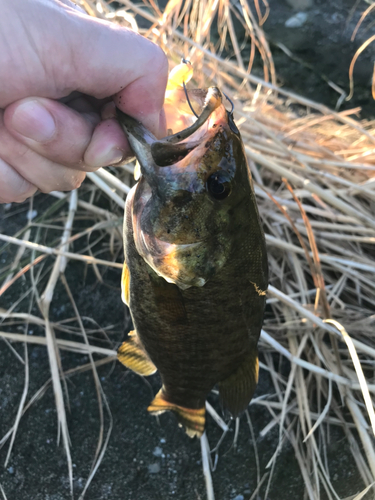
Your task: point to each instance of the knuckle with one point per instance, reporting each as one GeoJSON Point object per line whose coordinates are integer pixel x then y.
{"type": "Point", "coordinates": [80, 178]}
{"type": "Point", "coordinates": [14, 188]}
{"type": "Point", "coordinates": [25, 190]}
{"type": "Point", "coordinates": [6, 198]}
{"type": "Point", "coordinates": [63, 179]}
{"type": "Point", "coordinates": [74, 180]}
{"type": "Point", "coordinates": [21, 199]}
{"type": "Point", "coordinates": [18, 193]}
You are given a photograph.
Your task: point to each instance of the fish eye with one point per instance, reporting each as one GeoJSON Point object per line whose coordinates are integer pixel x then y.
{"type": "Point", "coordinates": [218, 186]}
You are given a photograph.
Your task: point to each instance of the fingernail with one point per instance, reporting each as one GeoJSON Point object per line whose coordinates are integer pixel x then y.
{"type": "Point", "coordinates": [109, 157]}
{"type": "Point", "coordinates": [32, 120]}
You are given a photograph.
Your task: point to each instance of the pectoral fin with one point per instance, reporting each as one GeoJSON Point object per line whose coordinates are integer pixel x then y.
{"type": "Point", "coordinates": [192, 419]}
{"type": "Point", "coordinates": [132, 355]}
{"type": "Point", "coordinates": [170, 303]}
{"type": "Point", "coordinates": [237, 390]}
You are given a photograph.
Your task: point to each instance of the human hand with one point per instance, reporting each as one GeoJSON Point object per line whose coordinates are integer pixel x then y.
{"type": "Point", "coordinates": [59, 70]}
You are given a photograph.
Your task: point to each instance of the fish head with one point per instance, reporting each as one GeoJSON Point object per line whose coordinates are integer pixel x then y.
{"type": "Point", "coordinates": [185, 206]}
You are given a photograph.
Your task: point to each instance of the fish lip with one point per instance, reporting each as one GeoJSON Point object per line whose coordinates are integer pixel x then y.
{"type": "Point", "coordinates": [140, 140]}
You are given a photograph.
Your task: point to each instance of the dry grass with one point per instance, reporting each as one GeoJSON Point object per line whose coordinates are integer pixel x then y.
{"type": "Point", "coordinates": [314, 177]}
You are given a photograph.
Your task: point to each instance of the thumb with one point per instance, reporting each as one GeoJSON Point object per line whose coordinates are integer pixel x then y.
{"type": "Point", "coordinates": [111, 60]}
{"type": "Point", "coordinates": [57, 49]}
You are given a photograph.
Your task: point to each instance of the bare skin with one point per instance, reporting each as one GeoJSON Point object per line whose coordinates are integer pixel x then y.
{"type": "Point", "coordinates": [64, 72]}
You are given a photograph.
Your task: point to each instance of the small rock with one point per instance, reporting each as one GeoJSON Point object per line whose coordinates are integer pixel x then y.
{"type": "Point", "coordinates": [80, 482]}
{"type": "Point", "coordinates": [157, 451]}
{"type": "Point", "coordinates": [162, 440]}
{"type": "Point", "coordinates": [31, 214]}
{"type": "Point", "coordinates": [336, 18]}
{"type": "Point", "coordinates": [154, 468]}
{"type": "Point", "coordinates": [239, 497]}
{"type": "Point", "coordinates": [10, 470]}
{"type": "Point", "coordinates": [297, 20]}
{"type": "Point", "coordinates": [300, 4]}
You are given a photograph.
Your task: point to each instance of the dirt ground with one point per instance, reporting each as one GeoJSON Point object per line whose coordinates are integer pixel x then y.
{"type": "Point", "coordinates": [324, 49]}
{"type": "Point", "coordinates": [148, 458]}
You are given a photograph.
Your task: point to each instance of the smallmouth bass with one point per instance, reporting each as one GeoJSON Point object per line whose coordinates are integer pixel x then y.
{"type": "Point", "coordinates": [195, 273]}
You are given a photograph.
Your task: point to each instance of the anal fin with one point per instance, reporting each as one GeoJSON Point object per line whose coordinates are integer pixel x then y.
{"type": "Point", "coordinates": [131, 354]}
{"type": "Point", "coordinates": [237, 390]}
{"type": "Point", "coordinates": [192, 419]}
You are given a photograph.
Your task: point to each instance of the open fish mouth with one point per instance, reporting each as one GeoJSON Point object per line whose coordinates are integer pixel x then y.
{"type": "Point", "coordinates": [152, 153]}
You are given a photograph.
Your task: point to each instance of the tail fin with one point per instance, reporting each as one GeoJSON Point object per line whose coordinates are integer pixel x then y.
{"type": "Point", "coordinates": [193, 420]}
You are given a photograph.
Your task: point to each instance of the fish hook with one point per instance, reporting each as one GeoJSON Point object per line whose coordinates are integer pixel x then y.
{"type": "Point", "coordinates": [187, 97]}
{"type": "Point", "coordinates": [231, 111]}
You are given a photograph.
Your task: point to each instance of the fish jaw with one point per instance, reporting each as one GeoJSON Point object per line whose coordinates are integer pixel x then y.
{"type": "Point", "coordinates": [140, 140]}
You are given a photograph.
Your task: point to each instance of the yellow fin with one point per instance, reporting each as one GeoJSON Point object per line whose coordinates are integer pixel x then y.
{"type": "Point", "coordinates": [192, 419]}
{"type": "Point", "coordinates": [132, 355]}
{"type": "Point", "coordinates": [181, 73]}
{"type": "Point", "coordinates": [137, 171]}
{"type": "Point", "coordinates": [125, 284]}
{"type": "Point", "coordinates": [237, 390]}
